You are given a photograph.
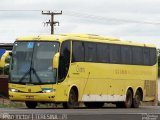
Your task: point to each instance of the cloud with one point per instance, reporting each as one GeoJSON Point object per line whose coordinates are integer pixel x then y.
{"type": "Point", "coordinates": [104, 17]}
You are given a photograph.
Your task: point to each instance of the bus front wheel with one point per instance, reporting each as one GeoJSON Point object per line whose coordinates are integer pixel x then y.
{"type": "Point", "coordinates": [31, 104]}
{"type": "Point", "coordinates": [73, 100]}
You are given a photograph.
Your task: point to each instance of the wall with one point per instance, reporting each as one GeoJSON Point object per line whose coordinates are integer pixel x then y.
{"type": "Point", "coordinates": [4, 85]}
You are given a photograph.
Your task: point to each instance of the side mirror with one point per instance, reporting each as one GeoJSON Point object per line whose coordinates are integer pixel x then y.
{"type": "Point", "coordinates": [55, 60]}
{"type": "Point", "coordinates": [10, 53]}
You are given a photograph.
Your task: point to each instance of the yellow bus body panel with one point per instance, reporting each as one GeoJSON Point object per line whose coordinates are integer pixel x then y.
{"type": "Point", "coordinates": [94, 81]}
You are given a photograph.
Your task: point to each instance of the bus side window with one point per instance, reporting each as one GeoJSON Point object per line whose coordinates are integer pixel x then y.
{"type": "Point", "coordinates": [77, 51]}
{"type": "Point", "coordinates": [115, 54]}
{"type": "Point", "coordinates": [146, 56]}
{"type": "Point", "coordinates": [102, 53]}
{"type": "Point", "coordinates": [153, 56]}
{"type": "Point", "coordinates": [137, 55]}
{"type": "Point", "coordinates": [90, 52]}
{"type": "Point", "coordinates": [126, 55]}
{"type": "Point", "coordinates": [64, 60]}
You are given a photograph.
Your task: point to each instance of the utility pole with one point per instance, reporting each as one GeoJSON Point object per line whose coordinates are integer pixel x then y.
{"type": "Point", "coordinates": [52, 22]}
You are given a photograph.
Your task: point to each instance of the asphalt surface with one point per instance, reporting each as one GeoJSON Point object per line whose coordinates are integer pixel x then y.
{"type": "Point", "coordinates": [142, 113]}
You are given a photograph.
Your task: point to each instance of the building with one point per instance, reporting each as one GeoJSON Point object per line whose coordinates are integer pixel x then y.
{"type": "Point", "coordinates": [7, 46]}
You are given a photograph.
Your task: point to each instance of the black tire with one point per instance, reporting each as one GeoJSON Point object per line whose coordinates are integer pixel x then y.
{"type": "Point", "coordinates": [73, 100]}
{"type": "Point", "coordinates": [128, 102]}
{"type": "Point", "coordinates": [136, 100]}
{"type": "Point", "coordinates": [129, 98]}
{"type": "Point", "coordinates": [31, 105]}
{"type": "Point", "coordinates": [94, 104]}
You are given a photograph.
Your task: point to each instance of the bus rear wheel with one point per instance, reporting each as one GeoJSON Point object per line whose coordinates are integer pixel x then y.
{"type": "Point", "coordinates": [73, 100]}
{"type": "Point", "coordinates": [136, 100]}
{"type": "Point", "coordinates": [128, 102]}
{"type": "Point", "coordinates": [129, 98]}
{"type": "Point", "coordinates": [31, 104]}
{"type": "Point", "coordinates": [94, 104]}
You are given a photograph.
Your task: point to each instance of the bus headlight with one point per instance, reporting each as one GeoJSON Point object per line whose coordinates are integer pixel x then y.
{"type": "Point", "coordinates": [47, 90]}
{"type": "Point", "coordinates": [13, 90]}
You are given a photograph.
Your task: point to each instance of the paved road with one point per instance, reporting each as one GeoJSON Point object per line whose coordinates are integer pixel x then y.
{"type": "Point", "coordinates": [142, 113]}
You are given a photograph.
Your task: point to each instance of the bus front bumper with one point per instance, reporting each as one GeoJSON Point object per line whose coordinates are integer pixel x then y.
{"type": "Point", "coordinates": [39, 97]}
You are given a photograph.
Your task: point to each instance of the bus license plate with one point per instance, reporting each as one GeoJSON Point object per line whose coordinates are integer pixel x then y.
{"type": "Point", "coordinates": [29, 97]}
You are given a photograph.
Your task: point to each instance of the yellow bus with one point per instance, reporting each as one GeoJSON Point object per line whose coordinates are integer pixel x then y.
{"type": "Point", "coordinates": [82, 68]}
{"type": "Point", "coordinates": [4, 62]}
{"type": "Point", "coordinates": [3, 58]}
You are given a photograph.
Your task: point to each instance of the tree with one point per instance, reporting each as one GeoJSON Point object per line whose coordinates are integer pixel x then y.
{"type": "Point", "coordinates": [159, 62]}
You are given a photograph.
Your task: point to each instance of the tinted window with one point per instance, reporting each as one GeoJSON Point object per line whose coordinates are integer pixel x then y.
{"type": "Point", "coordinates": [137, 55]}
{"type": "Point", "coordinates": [112, 53]}
{"type": "Point", "coordinates": [102, 53]}
{"type": "Point", "coordinates": [115, 56]}
{"type": "Point", "coordinates": [90, 52]}
{"type": "Point", "coordinates": [78, 51]}
{"type": "Point", "coordinates": [153, 56]}
{"type": "Point", "coordinates": [126, 55]}
{"type": "Point", "coordinates": [146, 56]}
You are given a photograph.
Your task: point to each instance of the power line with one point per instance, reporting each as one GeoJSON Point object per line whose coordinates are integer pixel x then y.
{"type": "Point", "coordinates": [89, 16]}
{"type": "Point", "coordinates": [52, 22]}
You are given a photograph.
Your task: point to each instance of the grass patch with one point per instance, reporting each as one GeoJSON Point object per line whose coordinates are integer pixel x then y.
{"type": "Point", "coordinates": [13, 105]}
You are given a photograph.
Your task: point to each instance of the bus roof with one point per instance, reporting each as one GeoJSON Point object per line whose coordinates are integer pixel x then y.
{"type": "Point", "coordinates": [82, 37]}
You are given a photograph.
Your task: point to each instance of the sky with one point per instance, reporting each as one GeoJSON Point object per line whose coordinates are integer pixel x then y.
{"type": "Point", "coordinates": [133, 20]}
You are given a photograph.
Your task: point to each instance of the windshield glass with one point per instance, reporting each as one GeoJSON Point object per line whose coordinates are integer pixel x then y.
{"type": "Point", "coordinates": [32, 62]}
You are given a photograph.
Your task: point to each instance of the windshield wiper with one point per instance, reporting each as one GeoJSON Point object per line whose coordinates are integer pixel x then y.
{"type": "Point", "coordinates": [34, 71]}
{"type": "Point", "coordinates": [22, 78]}
{"type": "Point", "coordinates": [29, 71]}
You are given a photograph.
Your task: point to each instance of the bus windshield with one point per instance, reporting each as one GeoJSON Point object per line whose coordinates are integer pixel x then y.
{"type": "Point", "coordinates": [31, 62]}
